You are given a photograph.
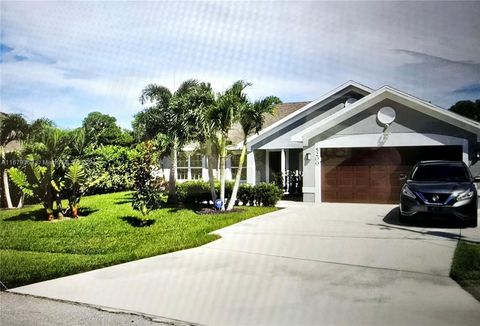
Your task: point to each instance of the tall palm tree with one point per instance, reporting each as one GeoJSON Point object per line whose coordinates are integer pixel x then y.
{"type": "Point", "coordinates": [13, 127]}
{"type": "Point", "coordinates": [223, 115]}
{"type": "Point", "coordinates": [175, 115]}
{"type": "Point", "coordinates": [251, 118]}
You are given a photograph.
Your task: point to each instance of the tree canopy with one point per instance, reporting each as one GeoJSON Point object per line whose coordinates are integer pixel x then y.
{"type": "Point", "coordinates": [102, 129]}
{"type": "Point", "coordinates": [468, 109]}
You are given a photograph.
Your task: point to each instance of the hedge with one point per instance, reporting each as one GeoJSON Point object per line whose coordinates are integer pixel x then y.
{"type": "Point", "coordinates": [262, 194]}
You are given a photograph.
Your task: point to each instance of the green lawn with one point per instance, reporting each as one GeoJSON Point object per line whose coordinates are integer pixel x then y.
{"type": "Point", "coordinates": [466, 267]}
{"type": "Point", "coordinates": [32, 249]}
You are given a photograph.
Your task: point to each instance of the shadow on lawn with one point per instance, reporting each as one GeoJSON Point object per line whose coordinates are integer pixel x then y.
{"type": "Point", "coordinates": [39, 215]}
{"type": "Point", "coordinates": [137, 222]}
{"type": "Point", "coordinates": [125, 199]}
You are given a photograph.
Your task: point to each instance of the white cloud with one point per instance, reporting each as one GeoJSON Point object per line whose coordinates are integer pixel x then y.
{"type": "Point", "coordinates": [98, 56]}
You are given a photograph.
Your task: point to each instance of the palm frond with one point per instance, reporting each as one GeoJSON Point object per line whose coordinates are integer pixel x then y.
{"type": "Point", "coordinates": [12, 127]}
{"type": "Point", "coordinates": [75, 173]}
{"type": "Point", "coordinates": [186, 86]}
{"type": "Point", "coordinates": [156, 94]}
{"type": "Point", "coordinates": [19, 178]}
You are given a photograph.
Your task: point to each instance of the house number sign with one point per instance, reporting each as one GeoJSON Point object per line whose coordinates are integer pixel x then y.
{"type": "Point", "coordinates": [317, 156]}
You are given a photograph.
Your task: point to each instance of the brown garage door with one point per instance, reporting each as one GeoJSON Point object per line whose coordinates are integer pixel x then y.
{"type": "Point", "coordinates": [371, 175]}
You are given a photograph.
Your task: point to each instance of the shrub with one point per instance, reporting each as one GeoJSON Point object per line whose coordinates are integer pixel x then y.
{"type": "Point", "coordinates": [267, 194]}
{"type": "Point", "coordinates": [262, 194]}
{"type": "Point", "coordinates": [193, 192]}
{"type": "Point", "coordinates": [148, 191]}
{"type": "Point", "coordinates": [117, 161]}
{"type": "Point", "coordinates": [246, 194]}
{"type": "Point", "coordinates": [228, 189]}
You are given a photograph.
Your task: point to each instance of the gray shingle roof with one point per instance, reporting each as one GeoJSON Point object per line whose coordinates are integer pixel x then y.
{"type": "Point", "coordinates": [282, 110]}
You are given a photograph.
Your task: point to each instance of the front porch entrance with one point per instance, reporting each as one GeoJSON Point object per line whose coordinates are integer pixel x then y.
{"type": "Point", "coordinates": [284, 167]}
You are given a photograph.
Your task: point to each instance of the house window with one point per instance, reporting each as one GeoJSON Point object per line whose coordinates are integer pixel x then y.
{"type": "Point", "coordinates": [182, 166]}
{"type": "Point", "coordinates": [189, 166]}
{"type": "Point", "coordinates": [196, 166]}
{"type": "Point", "coordinates": [235, 162]}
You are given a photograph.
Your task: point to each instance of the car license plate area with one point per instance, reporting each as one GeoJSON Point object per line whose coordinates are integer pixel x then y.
{"type": "Point", "coordinates": [436, 209]}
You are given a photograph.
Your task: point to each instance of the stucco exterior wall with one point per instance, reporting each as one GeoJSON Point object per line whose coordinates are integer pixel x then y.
{"type": "Point", "coordinates": [260, 169]}
{"type": "Point", "coordinates": [407, 121]}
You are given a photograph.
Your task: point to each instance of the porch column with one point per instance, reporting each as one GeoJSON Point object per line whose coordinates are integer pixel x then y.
{"type": "Point", "coordinates": [283, 168]}
{"type": "Point", "coordinates": [267, 166]}
{"type": "Point", "coordinates": [228, 168]}
{"type": "Point", "coordinates": [204, 167]}
{"type": "Point", "coordinates": [283, 164]}
{"type": "Point", "coordinates": [251, 170]}
{"type": "Point", "coordinates": [189, 171]}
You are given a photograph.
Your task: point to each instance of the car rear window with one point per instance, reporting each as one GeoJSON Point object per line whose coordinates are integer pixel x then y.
{"type": "Point", "coordinates": [440, 173]}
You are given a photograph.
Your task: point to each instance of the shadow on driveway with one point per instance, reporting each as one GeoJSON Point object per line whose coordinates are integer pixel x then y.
{"type": "Point", "coordinates": [392, 222]}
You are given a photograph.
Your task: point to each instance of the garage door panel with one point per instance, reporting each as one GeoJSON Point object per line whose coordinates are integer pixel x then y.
{"type": "Point", "coordinates": [373, 175]}
{"type": "Point", "coordinates": [361, 195]}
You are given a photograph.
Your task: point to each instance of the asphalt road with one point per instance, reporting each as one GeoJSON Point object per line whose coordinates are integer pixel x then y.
{"type": "Point", "coordinates": [24, 310]}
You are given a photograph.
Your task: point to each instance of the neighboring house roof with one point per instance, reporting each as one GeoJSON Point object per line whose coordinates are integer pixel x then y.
{"type": "Point", "coordinates": [281, 111]}
{"type": "Point", "coordinates": [379, 95]}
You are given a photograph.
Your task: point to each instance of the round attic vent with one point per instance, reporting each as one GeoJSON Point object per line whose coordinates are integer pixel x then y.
{"type": "Point", "coordinates": [351, 100]}
{"type": "Point", "coordinates": [386, 115]}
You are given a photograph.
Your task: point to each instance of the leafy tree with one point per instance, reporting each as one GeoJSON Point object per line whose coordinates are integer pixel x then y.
{"type": "Point", "coordinates": [251, 118]}
{"type": "Point", "coordinates": [13, 127]}
{"type": "Point", "coordinates": [175, 115]}
{"type": "Point", "coordinates": [115, 160]}
{"type": "Point", "coordinates": [147, 195]}
{"type": "Point", "coordinates": [101, 129]}
{"type": "Point", "coordinates": [468, 109]}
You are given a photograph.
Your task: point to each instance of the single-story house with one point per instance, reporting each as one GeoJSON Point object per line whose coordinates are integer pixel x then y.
{"type": "Point", "coordinates": [349, 145]}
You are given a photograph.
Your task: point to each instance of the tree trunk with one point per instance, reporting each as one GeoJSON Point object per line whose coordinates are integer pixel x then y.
{"type": "Point", "coordinates": [211, 178]}
{"type": "Point", "coordinates": [233, 198]}
{"type": "Point", "coordinates": [223, 158]}
{"type": "Point", "coordinates": [21, 200]}
{"type": "Point", "coordinates": [172, 182]}
{"type": "Point", "coordinates": [6, 187]}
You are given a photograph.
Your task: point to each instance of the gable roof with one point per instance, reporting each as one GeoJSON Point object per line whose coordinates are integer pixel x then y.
{"type": "Point", "coordinates": [310, 106]}
{"type": "Point", "coordinates": [379, 95]}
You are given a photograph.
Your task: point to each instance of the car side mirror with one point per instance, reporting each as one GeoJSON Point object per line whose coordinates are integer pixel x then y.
{"type": "Point", "coordinates": [476, 179]}
{"type": "Point", "coordinates": [403, 177]}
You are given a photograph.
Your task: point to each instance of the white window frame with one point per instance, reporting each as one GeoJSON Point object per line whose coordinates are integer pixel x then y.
{"type": "Point", "coordinates": [234, 167]}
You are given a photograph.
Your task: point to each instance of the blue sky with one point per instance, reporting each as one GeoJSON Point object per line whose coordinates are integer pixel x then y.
{"type": "Point", "coordinates": [62, 60]}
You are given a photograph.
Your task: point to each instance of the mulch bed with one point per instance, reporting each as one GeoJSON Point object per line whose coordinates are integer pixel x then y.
{"type": "Point", "coordinates": [212, 211]}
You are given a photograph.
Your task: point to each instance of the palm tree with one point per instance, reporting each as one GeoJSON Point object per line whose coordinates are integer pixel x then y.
{"type": "Point", "coordinates": [176, 115]}
{"type": "Point", "coordinates": [223, 115]}
{"type": "Point", "coordinates": [13, 127]}
{"type": "Point", "coordinates": [251, 118]}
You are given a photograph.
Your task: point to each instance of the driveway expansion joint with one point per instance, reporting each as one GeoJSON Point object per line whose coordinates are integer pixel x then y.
{"type": "Point", "coordinates": [328, 262]}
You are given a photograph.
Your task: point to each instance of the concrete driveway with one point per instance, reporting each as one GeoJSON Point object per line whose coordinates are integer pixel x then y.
{"type": "Point", "coordinates": [305, 264]}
